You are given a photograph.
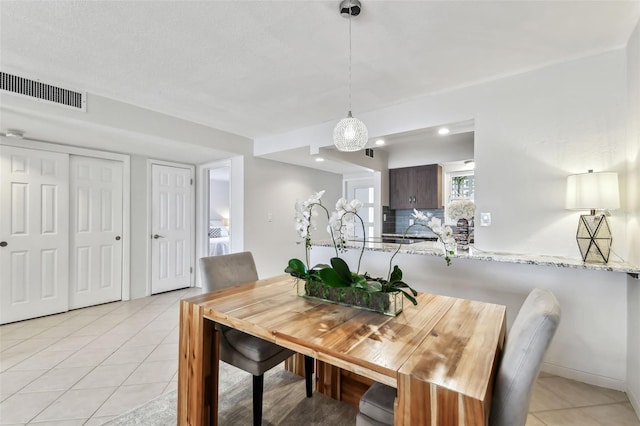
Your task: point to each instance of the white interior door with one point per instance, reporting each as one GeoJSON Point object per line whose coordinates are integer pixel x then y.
{"type": "Point", "coordinates": [34, 233]}
{"type": "Point", "coordinates": [96, 231]}
{"type": "Point", "coordinates": [364, 191]}
{"type": "Point", "coordinates": [171, 227]}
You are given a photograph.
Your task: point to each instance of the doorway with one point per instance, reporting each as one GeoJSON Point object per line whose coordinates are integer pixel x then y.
{"type": "Point", "coordinates": [219, 218]}
{"type": "Point", "coordinates": [172, 226]}
{"type": "Point", "coordinates": [364, 191]}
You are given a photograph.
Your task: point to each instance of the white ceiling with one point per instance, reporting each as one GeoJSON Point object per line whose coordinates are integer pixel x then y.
{"type": "Point", "coordinates": [261, 68]}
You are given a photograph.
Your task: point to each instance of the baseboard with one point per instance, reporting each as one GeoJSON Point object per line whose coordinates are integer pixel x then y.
{"type": "Point", "coordinates": [635, 402]}
{"type": "Point", "coordinates": [582, 376]}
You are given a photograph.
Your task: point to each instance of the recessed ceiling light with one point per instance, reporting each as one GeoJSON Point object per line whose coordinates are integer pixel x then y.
{"type": "Point", "coordinates": [319, 159]}
{"type": "Point", "coordinates": [443, 131]}
{"type": "Point", "coordinates": [380, 142]}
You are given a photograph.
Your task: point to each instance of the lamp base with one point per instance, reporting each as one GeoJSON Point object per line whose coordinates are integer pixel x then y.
{"type": "Point", "coordinates": [594, 238]}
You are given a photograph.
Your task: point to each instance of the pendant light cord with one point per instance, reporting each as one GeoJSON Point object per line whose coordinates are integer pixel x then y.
{"type": "Point", "coordinates": [349, 56]}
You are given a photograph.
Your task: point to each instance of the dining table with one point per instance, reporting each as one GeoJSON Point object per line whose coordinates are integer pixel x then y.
{"type": "Point", "coordinates": [442, 354]}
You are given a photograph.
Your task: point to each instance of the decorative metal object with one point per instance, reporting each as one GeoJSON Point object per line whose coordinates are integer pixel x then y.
{"type": "Point", "coordinates": [462, 235]}
{"type": "Point", "coordinates": [593, 191]}
{"type": "Point", "coordinates": [594, 238]}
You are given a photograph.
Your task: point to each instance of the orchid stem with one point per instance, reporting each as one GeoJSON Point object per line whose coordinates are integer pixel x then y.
{"type": "Point", "coordinates": [308, 238]}
{"type": "Point", "coordinates": [398, 249]}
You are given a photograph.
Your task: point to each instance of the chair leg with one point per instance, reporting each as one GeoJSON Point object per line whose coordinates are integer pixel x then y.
{"type": "Point", "coordinates": [258, 385]}
{"type": "Point", "coordinates": [308, 374]}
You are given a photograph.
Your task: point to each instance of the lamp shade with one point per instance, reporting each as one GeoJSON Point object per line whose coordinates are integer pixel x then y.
{"type": "Point", "coordinates": [597, 191]}
{"type": "Point", "coordinates": [350, 134]}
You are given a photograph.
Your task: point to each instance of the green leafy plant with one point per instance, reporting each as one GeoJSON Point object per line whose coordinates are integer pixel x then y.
{"type": "Point", "coordinates": [337, 275]}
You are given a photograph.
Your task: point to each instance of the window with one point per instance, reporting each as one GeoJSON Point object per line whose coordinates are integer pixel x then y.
{"type": "Point", "coordinates": [462, 186]}
{"type": "Point", "coordinates": [459, 185]}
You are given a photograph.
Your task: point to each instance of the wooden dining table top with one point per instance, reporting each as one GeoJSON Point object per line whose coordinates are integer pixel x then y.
{"type": "Point", "coordinates": [445, 342]}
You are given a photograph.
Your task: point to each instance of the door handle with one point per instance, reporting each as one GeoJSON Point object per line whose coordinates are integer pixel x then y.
{"type": "Point", "coordinates": [3, 244]}
{"type": "Point", "coordinates": [156, 236]}
{"type": "Point", "coordinates": [117, 237]}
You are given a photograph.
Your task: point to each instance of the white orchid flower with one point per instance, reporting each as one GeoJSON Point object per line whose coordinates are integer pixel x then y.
{"type": "Point", "coordinates": [349, 229]}
{"type": "Point", "coordinates": [435, 221]}
{"type": "Point", "coordinates": [319, 194]}
{"type": "Point", "coordinates": [461, 209]}
{"type": "Point", "coordinates": [341, 204]}
{"type": "Point", "coordinates": [355, 205]}
{"type": "Point", "coordinates": [436, 225]}
{"type": "Point", "coordinates": [420, 216]}
{"type": "Point", "coordinates": [334, 221]}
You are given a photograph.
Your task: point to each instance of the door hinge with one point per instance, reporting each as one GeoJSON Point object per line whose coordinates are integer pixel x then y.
{"type": "Point", "coordinates": [191, 269]}
{"type": "Point", "coordinates": [191, 180]}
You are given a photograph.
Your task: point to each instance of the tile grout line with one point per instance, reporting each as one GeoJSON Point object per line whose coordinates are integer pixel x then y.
{"type": "Point", "coordinates": [70, 355]}
{"type": "Point", "coordinates": [579, 407]}
{"type": "Point", "coordinates": [134, 370]}
{"type": "Point", "coordinates": [89, 372]}
{"type": "Point", "coordinates": [61, 361]}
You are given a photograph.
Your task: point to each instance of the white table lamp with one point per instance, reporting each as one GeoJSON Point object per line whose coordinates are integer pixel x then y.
{"type": "Point", "coordinates": [593, 191]}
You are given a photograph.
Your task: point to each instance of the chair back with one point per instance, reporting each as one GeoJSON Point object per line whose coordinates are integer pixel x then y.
{"type": "Point", "coordinates": [218, 272]}
{"type": "Point", "coordinates": [524, 351]}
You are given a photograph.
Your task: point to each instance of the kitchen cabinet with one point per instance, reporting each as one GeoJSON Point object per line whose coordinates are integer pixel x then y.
{"type": "Point", "coordinates": [417, 187]}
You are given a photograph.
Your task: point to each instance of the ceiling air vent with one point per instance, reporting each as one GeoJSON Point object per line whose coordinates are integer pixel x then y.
{"type": "Point", "coordinates": [41, 91]}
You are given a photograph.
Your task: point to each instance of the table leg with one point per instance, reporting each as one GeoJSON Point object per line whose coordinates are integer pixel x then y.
{"type": "Point", "coordinates": [422, 403]}
{"type": "Point", "coordinates": [213, 373]}
{"type": "Point", "coordinates": [198, 359]}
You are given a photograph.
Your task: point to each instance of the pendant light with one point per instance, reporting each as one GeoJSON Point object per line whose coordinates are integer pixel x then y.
{"type": "Point", "coordinates": [350, 134]}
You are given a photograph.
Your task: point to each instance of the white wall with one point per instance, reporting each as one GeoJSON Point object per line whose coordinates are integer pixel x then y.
{"type": "Point", "coordinates": [272, 188]}
{"type": "Point", "coordinates": [139, 237]}
{"type": "Point", "coordinates": [531, 131]}
{"type": "Point", "coordinates": [118, 127]}
{"type": "Point", "coordinates": [590, 344]}
{"type": "Point", "coordinates": [218, 199]}
{"type": "Point", "coordinates": [115, 126]}
{"type": "Point", "coordinates": [455, 148]}
{"type": "Point", "coordinates": [633, 202]}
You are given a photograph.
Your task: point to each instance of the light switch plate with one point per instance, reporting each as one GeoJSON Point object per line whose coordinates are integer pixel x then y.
{"type": "Point", "coordinates": [485, 219]}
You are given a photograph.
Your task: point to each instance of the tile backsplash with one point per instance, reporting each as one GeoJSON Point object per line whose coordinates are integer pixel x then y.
{"type": "Point", "coordinates": [398, 221]}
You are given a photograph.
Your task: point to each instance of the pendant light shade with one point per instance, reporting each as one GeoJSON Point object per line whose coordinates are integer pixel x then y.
{"type": "Point", "coordinates": [350, 134]}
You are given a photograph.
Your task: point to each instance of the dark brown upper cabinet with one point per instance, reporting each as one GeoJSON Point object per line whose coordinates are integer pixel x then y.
{"type": "Point", "coordinates": [417, 187]}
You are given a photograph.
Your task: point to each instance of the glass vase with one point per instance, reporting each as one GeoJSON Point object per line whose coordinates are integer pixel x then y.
{"type": "Point", "coordinates": [386, 303]}
{"type": "Point", "coordinates": [462, 234]}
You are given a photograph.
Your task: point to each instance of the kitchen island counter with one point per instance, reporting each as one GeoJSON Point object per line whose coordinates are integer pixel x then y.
{"type": "Point", "coordinates": [435, 248]}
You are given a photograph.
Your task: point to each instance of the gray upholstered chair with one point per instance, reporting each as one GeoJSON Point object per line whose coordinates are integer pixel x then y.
{"type": "Point", "coordinates": [524, 350]}
{"type": "Point", "coordinates": [249, 353]}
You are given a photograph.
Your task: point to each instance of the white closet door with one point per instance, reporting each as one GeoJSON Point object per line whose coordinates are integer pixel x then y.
{"type": "Point", "coordinates": [96, 231]}
{"type": "Point", "coordinates": [34, 233]}
{"type": "Point", "coordinates": [171, 220]}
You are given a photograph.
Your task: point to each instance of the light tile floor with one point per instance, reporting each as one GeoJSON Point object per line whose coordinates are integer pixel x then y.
{"type": "Point", "coordinates": [87, 366]}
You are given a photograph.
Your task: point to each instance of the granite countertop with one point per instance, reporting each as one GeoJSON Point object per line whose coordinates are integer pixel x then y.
{"type": "Point", "coordinates": [416, 236]}
{"type": "Point", "coordinates": [434, 248]}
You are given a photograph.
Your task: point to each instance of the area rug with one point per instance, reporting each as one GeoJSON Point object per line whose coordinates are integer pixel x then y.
{"type": "Point", "coordinates": [284, 403]}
